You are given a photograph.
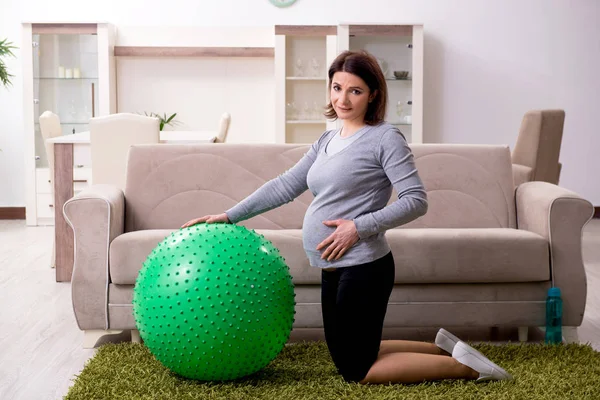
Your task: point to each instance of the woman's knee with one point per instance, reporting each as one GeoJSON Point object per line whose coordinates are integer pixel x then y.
{"type": "Point", "coordinates": [353, 370]}
{"type": "Point", "coordinates": [354, 355]}
{"type": "Point", "coordinates": [353, 374]}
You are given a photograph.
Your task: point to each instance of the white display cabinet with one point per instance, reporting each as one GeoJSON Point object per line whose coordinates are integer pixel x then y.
{"type": "Point", "coordinates": [70, 72]}
{"type": "Point", "coordinates": [399, 50]}
{"type": "Point", "coordinates": [302, 57]}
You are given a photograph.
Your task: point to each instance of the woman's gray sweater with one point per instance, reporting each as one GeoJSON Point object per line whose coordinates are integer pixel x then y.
{"type": "Point", "coordinates": [355, 183]}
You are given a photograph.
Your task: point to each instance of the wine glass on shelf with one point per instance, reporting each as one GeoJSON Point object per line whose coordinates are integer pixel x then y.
{"type": "Point", "coordinates": [299, 68]}
{"type": "Point", "coordinates": [291, 111]}
{"type": "Point", "coordinates": [317, 111]}
{"type": "Point", "coordinates": [306, 114]}
{"type": "Point", "coordinates": [383, 65]}
{"type": "Point", "coordinates": [315, 66]}
{"type": "Point", "coordinates": [400, 110]}
{"type": "Point", "coordinates": [408, 115]}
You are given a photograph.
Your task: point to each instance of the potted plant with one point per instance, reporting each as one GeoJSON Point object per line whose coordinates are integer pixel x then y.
{"type": "Point", "coordinates": [6, 48]}
{"type": "Point", "coordinates": [164, 120]}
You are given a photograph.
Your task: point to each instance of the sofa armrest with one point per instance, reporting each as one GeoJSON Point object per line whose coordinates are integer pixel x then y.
{"type": "Point", "coordinates": [97, 216]}
{"type": "Point", "coordinates": [559, 215]}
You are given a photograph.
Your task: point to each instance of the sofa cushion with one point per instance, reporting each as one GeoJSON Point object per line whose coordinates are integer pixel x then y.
{"type": "Point", "coordinates": [129, 251]}
{"type": "Point", "coordinates": [495, 255]}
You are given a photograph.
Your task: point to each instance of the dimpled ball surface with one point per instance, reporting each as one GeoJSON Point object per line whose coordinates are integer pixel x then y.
{"type": "Point", "coordinates": [214, 302]}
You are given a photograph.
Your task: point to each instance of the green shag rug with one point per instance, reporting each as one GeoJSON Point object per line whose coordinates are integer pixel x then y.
{"type": "Point", "coordinates": [305, 371]}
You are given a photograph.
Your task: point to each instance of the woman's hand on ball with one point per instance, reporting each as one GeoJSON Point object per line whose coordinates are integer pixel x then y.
{"type": "Point", "coordinates": [209, 219]}
{"type": "Point", "coordinates": [344, 237]}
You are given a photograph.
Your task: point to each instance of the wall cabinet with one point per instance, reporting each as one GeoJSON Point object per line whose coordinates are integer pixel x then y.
{"type": "Point", "coordinates": [399, 51]}
{"type": "Point", "coordinates": [303, 55]}
{"type": "Point", "coordinates": [70, 71]}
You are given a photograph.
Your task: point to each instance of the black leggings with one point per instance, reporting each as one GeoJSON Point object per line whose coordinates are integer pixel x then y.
{"type": "Point", "coordinates": [354, 302]}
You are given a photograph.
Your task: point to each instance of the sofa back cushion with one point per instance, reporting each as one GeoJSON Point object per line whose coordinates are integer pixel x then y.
{"type": "Point", "coordinates": [169, 184]}
{"type": "Point", "coordinates": [469, 186]}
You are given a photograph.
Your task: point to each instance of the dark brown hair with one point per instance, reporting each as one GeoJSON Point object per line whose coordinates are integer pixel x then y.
{"type": "Point", "coordinates": [365, 66]}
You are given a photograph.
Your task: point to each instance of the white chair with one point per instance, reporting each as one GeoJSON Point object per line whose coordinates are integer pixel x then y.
{"type": "Point", "coordinates": [111, 137]}
{"type": "Point", "coordinates": [223, 128]}
{"type": "Point", "coordinates": [50, 128]}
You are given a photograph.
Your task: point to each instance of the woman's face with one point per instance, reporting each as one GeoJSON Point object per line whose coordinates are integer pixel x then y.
{"type": "Point", "coordinates": [349, 96]}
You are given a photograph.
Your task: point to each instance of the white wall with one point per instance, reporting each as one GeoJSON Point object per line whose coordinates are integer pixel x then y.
{"type": "Point", "coordinates": [193, 89]}
{"type": "Point", "coordinates": [200, 90]}
{"type": "Point", "coordinates": [486, 63]}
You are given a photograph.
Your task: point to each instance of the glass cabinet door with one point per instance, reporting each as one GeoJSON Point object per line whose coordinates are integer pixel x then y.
{"type": "Point", "coordinates": [394, 55]}
{"type": "Point", "coordinates": [65, 74]}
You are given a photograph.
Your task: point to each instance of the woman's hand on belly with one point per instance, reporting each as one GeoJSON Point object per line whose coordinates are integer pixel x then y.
{"type": "Point", "coordinates": [336, 244]}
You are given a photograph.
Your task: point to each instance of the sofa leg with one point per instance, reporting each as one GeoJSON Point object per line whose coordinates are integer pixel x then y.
{"type": "Point", "coordinates": [91, 337]}
{"type": "Point", "coordinates": [570, 334]}
{"type": "Point", "coordinates": [523, 333]}
{"type": "Point", "coordinates": [135, 336]}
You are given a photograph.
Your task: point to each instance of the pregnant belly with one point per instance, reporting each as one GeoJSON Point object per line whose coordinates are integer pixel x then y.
{"type": "Point", "coordinates": [314, 231]}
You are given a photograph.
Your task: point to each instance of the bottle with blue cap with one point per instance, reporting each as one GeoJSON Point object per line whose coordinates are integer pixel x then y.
{"type": "Point", "coordinates": [554, 309]}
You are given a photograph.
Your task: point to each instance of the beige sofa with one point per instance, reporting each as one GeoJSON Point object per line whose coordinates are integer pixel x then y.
{"type": "Point", "coordinates": [484, 254]}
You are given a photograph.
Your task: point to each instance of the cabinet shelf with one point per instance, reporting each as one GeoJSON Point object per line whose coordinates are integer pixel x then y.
{"type": "Point", "coordinates": [399, 80]}
{"type": "Point", "coordinates": [381, 30]}
{"type": "Point", "coordinates": [304, 78]}
{"type": "Point", "coordinates": [49, 78]}
{"type": "Point", "coordinates": [306, 121]}
{"type": "Point", "coordinates": [400, 123]}
{"type": "Point", "coordinates": [170, 51]}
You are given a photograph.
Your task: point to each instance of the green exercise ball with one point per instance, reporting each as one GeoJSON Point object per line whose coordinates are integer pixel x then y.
{"type": "Point", "coordinates": [214, 302]}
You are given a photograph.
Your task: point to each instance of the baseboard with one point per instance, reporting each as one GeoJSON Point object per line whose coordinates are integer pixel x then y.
{"type": "Point", "coordinates": [596, 212]}
{"type": "Point", "coordinates": [12, 212]}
